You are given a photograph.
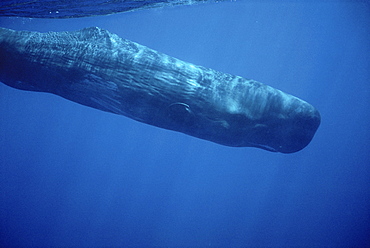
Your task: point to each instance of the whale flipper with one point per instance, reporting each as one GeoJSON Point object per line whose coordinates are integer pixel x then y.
{"type": "Point", "coordinates": [101, 70]}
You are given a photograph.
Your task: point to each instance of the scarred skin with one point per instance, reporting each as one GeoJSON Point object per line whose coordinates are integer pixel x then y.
{"type": "Point", "coordinates": [101, 70]}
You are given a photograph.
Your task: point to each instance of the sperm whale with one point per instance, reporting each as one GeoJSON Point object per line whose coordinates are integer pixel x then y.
{"type": "Point", "coordinates": [98, 69]}
{"type": "Point", "coordinates": [83, 8]}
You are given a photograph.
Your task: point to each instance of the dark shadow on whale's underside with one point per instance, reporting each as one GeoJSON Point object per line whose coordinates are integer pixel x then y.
{"type": "Point", "coordinates": [98, 69]}
{"type": "Point", "coordinates": [82, 8]}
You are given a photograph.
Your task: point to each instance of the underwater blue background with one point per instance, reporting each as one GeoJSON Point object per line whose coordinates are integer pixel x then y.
{"type": "Point", "coordinates": [76, 176]}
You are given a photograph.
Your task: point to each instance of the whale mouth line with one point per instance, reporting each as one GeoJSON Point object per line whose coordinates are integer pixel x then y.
{"type": "Point", "coordinates": [265, 147]}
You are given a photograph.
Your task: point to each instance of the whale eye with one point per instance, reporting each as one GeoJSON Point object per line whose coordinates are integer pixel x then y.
{"type": "Point", "coordinates": [179, 108]}
{"type": "Point", "coordinates": [181, 113]}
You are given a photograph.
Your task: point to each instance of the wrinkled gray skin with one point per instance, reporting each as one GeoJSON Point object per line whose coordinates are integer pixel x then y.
{"type": "Point", "coordinates": [101, 70]}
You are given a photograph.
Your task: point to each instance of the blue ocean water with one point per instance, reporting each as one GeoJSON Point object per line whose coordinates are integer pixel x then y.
{"type": "Point", "coordinates": [75, 176]}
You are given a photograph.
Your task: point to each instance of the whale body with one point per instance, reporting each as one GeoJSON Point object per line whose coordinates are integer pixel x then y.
{"type": "Point", "coordinates": [83, 8]}
{"type": "Point", "coordinates": [98, 69]}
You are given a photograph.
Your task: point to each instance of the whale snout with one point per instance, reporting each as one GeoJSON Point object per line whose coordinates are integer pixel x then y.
{"type": "Point", "coordinates": [298, 131]}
